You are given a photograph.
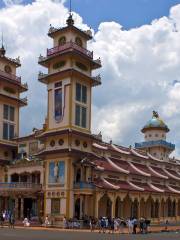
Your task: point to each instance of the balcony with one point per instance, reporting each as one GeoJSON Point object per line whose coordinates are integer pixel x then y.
{"type": "Point", "coordinates": [20, 186]}
{"type": "Point", "coordinates": [83, 185]}
{"type": "Point", "coordinates": [161, 143]}
{"type": "Point", "coordinates": [69, 46]}
{"type": "Point", "coordinates": [10, 76]}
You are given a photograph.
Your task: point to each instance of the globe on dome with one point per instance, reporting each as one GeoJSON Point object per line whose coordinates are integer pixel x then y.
{"type": "Point", "coordinates": [155, 123]}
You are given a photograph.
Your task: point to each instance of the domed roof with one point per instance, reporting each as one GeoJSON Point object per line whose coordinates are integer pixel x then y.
{"type": "Point", "coordinates": [155, 122]}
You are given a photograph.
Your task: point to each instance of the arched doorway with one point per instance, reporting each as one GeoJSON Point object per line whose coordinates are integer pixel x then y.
{"type": "Point", "coordinates": [169, 206]}
{"type": "Point", "coordinates": [105, 206]}
{"type": "Point", "coordinates": [156, 207]}
{"type": "Point", "coordinates": [127, 207]}
{"type": "Point", "coordinates": [142, 208]}
{"type": "Point", "coordinates": [77, 208]}
{"type": "Point", "coordinates": [134, 209]}
{"type": "Point", "coordinates": [162, 208]}
{"type": "Point", "coordinates": [118, 208]}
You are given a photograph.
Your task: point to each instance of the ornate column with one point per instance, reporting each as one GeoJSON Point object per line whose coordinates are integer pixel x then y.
{"type": "Point", "coordinates": [16, 208]}
{"type": "Point", "coordinates": [21, 208]}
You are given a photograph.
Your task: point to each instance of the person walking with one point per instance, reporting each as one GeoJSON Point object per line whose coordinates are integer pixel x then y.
{"type": "Point", "coordinates": [135, 224]}
{"type": "Point", "coordinates": [1, 220]}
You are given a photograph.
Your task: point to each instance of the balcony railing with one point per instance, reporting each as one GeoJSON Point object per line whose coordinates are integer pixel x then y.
{"type": "Point", "coordinates": [20, 185]}
{"type": "Point", "coordinates": [67, 46]}
{"type": "Point", "coordinates": [97, 80]}
{"type": "Point", "coordinates": [10, 76]}
{"type": "Point", "coordinates": [155, 143]}
{"type": "Point", "coordinates": [83, 185]}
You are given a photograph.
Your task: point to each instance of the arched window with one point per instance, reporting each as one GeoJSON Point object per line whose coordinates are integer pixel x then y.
{"type": "Point", "coordinates": [62, 41]}
{"type": "Point", "coordinates": [78, 41]}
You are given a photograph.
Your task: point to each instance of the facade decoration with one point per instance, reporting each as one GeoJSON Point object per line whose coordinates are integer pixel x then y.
{"type": "Point", "coordinates": [65, 170]}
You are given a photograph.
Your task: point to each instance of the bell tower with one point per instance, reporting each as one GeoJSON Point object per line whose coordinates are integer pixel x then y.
{"type": "Point", "coordinates": [10, 102]}
{"type": "Point", "coordinates": [69, 79]}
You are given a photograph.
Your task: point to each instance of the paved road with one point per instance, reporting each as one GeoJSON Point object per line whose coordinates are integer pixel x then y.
{"type": "Point", "coordinates": [29, 234]}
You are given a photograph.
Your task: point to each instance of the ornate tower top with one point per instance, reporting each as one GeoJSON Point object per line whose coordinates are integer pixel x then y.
{"type": "Point", "coordinates": [70, 20]}
{"type": "Point", "coordinates": [155, 123]}
{"type": "Point", "coordinates": [155, 138]}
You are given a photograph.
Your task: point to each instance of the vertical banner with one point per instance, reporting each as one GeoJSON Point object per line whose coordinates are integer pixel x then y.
{"type": "Point", "coordinates": [58, 104]}
{"type": "Point", "coordinates": [51, 172]}
{"type": "Point", "coordinates": [57, 172]}
{"type": "Point", "coordinates": [61, 172]}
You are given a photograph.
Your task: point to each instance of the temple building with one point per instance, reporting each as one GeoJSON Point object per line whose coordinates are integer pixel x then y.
{"type": "Point", "coordinates": [64, 169]}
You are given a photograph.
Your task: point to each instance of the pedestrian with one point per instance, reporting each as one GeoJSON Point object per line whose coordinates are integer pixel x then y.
{"type": "Point", "coordinates": [141, 225]}
{"type": "Point", "coordinates": [1, 220]}
{"type": "Point", "coordinates": [65, 223]}
{"type": "Point", "coordinates": [130, 225]}
{"type": "Point", "coordinates": [11, 221]}
{"type": "Point", "coordinates": [46, 221]}
{"type": "Point", "coordinates": [135, 224]}
{"type": "Point", "coordinates": [26, 222]}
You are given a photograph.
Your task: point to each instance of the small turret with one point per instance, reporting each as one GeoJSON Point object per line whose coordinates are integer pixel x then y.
{"type": "Point", "coordinates": [155, 138]}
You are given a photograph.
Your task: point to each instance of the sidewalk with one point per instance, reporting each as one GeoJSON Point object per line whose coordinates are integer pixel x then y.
{"type": "Point", "coordinates": [152, 229]}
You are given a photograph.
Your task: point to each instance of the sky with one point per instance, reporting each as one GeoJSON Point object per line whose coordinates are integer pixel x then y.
{"type": "Point", "coordinates": [138, 42]}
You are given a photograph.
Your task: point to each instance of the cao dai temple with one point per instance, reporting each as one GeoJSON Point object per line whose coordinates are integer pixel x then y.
{"type": "Point", "coordinates": [65, 170]}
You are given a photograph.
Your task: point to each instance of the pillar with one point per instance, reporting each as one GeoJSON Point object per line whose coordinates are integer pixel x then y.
{"type": "Point", "coordinates": [22, 208]}
{"type": "Point", "coordinates": [113, 208]}
{"type": "Point", "coordinates": [16, 208]}
{"type": "Point", "coordinates": [81, 206]}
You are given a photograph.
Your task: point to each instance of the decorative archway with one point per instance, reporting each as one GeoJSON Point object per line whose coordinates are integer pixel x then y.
{"type": "Point", "coordinates": [127, 207]}
{"type": "Point", "coordinates": [105, 206]}
{"type": "Point", "coordinates": [142, 208]}
{"type": "Point", "coordinates": [134, 208]}
{"type": "Point", "coordinates": [169, 207]}
{"type": "Point", "coordinates": [118, 208]}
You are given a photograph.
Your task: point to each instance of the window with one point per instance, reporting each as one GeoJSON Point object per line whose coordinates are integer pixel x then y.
{"type": "Point", "coordinates": [81, 93]}
{"type": "Point", "coordinates": [80, 116]}
{"type": "Point", "coordinates": [9, 113]}
{"type": "Point", "coordinates": [55, 206]}
{"type": "Point", "coordinates": [33, 148]}
{"type": "Point", "coordinates": [8, 131]}
{"type": "Point", "coordinates": [78, 41]}
{"type": "Point", "coordinates": [58, 101]}
{"type": "Point", "coordinates": [62, 41]}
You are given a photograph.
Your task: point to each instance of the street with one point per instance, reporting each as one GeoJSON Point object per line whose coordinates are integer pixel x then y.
{"type": "Point", "coordinates": [46, 234]}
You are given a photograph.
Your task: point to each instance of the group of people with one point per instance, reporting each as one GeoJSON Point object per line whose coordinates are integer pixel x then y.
{"type": "Point", "coordinates": [7, 216]}
{"type": "Point", "coordinates": [111, 225]}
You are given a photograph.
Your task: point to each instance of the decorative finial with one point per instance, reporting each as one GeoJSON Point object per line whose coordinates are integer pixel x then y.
{"type": "Point", "coordinates": [70, 21]}
{"type": "Point", "coordinates": [155, 114]}
{"type": "Point", "coordinates": [2, 49]}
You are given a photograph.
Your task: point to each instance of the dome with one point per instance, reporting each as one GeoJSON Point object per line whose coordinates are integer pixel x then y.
{"type": "Point", "coordinates": [155, 122]}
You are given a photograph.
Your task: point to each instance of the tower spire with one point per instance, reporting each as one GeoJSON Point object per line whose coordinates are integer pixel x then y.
{"type": "Point", "coordinates": [2, 49]}
{"type": "Point", "coordinates": [70, 6]}
{"type": "Point", "coordinates": [70, 21]}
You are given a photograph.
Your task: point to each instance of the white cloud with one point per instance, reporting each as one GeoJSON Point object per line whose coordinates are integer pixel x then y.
{"type": "Point", "coordinates": [139, 67]}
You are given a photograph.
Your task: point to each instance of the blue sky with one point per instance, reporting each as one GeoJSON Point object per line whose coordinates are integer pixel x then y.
{"type": "Point", "coordinates": [129, 13]}
{"type": "Point", "coordinates": [140, 66]}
